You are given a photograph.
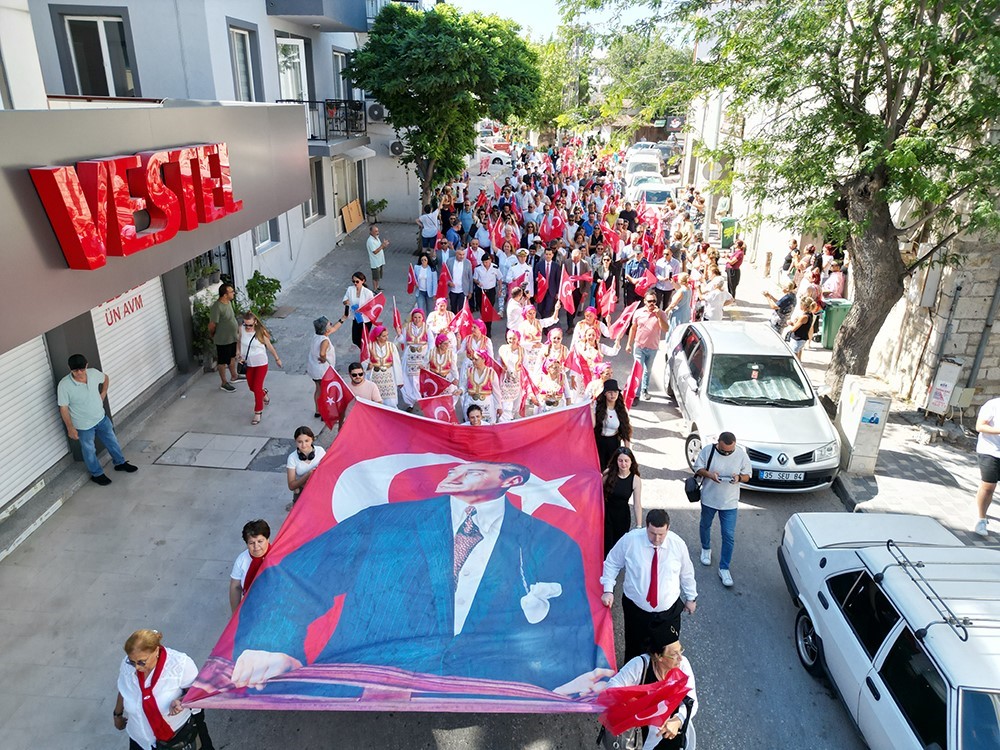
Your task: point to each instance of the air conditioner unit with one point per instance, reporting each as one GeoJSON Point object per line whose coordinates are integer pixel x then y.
{"type": "Point", "coordinates": [396, 148]}
{"type": "Point", "coordinates": [376, 112]}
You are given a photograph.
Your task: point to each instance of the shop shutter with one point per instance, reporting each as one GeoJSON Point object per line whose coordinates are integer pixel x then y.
{"type": "Point", "coordinates": [32, 436]}
{"type": "Point", "coordinates": [133, 339]}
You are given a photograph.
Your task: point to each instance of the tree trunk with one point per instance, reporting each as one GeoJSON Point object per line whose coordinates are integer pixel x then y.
{"type": "Point", "coordinates": [427, 183]}
{"type": "Point", "coordinates": [878, 271]}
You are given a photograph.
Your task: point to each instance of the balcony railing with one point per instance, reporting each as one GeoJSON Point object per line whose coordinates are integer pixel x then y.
{"type": "Point", "coordinates": [332, 118]}
{"type": "Point", "coordinates": [375, 7]}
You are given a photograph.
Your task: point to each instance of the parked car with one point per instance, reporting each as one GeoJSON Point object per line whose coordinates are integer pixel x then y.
{"type": "Point", "coordinates": [644, 163]}
{"type": "Point", "coordinates": [742, 378]}
{"type": "Point", "coordinates": [907, 630]}
{"type": "Point", "coordinates": [496, 156]}
{"type": "Point", "coordinates": [640, 147]}
{"type": "Point", "coordinates": [655, 194]}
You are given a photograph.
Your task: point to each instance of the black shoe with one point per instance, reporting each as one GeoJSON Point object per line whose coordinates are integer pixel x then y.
{"type": "Point", "coordinates": [126, 466]}
{"type": "Point", "coordinates": [104, 480]}
{"type": "Point", "coordinates": [316, 415]}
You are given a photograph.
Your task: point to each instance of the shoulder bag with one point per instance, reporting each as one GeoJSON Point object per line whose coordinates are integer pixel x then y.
{"type": "Point", "coordinates": [692, 485]}
{"type": "Point", "coordinates": [241, 367]}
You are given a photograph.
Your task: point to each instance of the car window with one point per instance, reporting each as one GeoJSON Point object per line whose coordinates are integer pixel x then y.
{"type": "Point", "coordinates": [979, 725]}
{"type": "Point", "coordinates": [865, 607]}
{"type": "Point", "coordinates": [690, 342]}
{"type": "Point", "coordinates": [919, 690]}
{"type": "Point", "coordinates": [770, 380]}
{"type": "Point", "coordinates": [656, 196]}
{"type": "Point", "coordinates": [696, 363]}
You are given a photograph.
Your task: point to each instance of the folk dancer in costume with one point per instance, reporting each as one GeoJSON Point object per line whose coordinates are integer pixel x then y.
{"type": "Point", "coordinates": [515, 308]}
{"type": "Point", "coordinates": [442, 359]}
{"type": "Point", "coordinates": [482, 389]}
{"type": "Point", "coordinates": [589, 320]}
{"type": "Point", "coordinates": [554, 347]}
{"type": "Point", "coordinates": [602, 373]}
{"type": "Point", "coordinates": [414, 341]}
{"type": "Point", "coordinates": [511, 357]}
{"type": "Point", "coordinates": [475, 341]}
{"type": "Point", "coordinates": [593, 353]}
{"type": "Point", "coordinates": [439, 320]}
{"type": "Point", "coordinates": [383, 366]}
{"type": "Point", "coordinates": [531, 336]}
{"type": "Point", "coordinates": [553, 388]}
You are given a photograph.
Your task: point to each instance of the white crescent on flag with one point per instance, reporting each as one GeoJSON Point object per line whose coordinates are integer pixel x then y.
{"type": "Point", "coordinates": [340, 393]}
{"type": "Point", "coordinates": [442, 414]}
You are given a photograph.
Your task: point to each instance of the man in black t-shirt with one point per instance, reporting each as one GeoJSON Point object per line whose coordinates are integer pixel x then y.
{"type": "Point", "coordinates": [628, 215]}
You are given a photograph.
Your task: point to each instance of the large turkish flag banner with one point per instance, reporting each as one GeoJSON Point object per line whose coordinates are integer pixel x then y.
{"type": "Point", "coordinates": [369, 599]}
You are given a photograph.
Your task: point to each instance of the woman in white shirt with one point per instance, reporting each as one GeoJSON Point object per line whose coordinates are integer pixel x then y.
{"type": "Point", "coordinates": [322, 356]}
{"type": "Point", "coordinates": [253, 345]}
{"type": "Point", "coordinates": [665, 654]}
{"type": "Point", "coordinates": [430, 227]}
{"type": "Point", "coordinates": [426, 283]}
{"type": "Point", "coordinates": [302, 461]}
{"type": "Point", "coordinates": [151, 683]}
{"type": "Point", "coordinates": [358, 294]}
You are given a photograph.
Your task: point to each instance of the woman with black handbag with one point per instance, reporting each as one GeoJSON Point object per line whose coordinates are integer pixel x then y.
{"type": "Point", "coordinates": [677, 732]}
{"type": "Point", "coordinates": [151, 683]}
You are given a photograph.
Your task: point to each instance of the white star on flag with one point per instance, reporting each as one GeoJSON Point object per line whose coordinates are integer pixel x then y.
{"type": "Point", "coordinates": [535, 493]}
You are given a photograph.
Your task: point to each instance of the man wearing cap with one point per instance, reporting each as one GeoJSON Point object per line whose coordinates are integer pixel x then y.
{"type": "Point", "coordinates": [659, 581]}
{"type": "Point", "coordinates": [723, 466]}
{"type": "Point", "coordinates": [521, 268]}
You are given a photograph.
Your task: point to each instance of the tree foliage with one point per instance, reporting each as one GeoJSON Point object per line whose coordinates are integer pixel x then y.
{"type": "Point", "coordinates": [438, 73]}
{"type": "Point", "coordinates": [642, 66]}
{"type": "Point", "coordinates": [566, 63]}
{"type": "Point", "coordinates": [873, 122]}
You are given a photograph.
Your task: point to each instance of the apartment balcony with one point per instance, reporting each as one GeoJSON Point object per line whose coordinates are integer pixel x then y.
{"type": "Point", "coordinates": [375, 6]}
{"type": "Point", "coordinates": [333, 126]}
{"type": "Point", "coordinates": [322, 15]}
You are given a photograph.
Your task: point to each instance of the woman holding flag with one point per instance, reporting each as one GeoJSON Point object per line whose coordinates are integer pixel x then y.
{"type": "Point", "coordinates": [531, 336]}
{"type": "Point", "coordinates": [439, 320]}
{"type": "Point", "coordinates": [476, 340]}
{"type": "Point", "coordinates": [512, 361]}
{"type": "Point", "coordinates": [482, 388]}
{"type": "Point", "coordinates": [383, 366]}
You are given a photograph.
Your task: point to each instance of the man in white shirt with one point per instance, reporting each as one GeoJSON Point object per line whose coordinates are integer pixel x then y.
{"type": "Point", "coordinates": [988, 455]}
{"type": "Point", "coordinates": [651, 603]}
{"type": "Point", "coordinates": [376, 255]}
{"type": "Point", "coordinates": [460, 286]}
{"type": "Point", "coordinates": [724, 466]}
{"type": "Point", "coordinates": [524, 197]}
{"type": "Point", "coordinates": [486, 277]}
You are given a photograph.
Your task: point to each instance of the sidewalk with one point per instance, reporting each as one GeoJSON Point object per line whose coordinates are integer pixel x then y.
{"type": "Point", "coordinates": [912, 475]}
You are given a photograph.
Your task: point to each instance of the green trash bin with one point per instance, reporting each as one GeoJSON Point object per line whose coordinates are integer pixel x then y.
{"type": "Point", "coordinates": [833, 317]}
{"type": "Point", "coordinates": [728, 232]}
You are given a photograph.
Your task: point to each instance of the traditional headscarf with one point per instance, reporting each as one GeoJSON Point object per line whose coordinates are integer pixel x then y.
{"type": "Point", "coordinates": [480, 325]}
{"type": "Point", "coordinates": [591, 309]}
{"type": "Point", "coordinates": [441, 338]}
{"type": "Point", "coordinates": [416, 311]}
{"type": "Point", "coordinates": [376, 332]}
{"type": "Point", "coordinates": [551, 332]}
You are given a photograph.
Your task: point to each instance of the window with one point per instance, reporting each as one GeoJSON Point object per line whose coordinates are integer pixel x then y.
{"type": "Point", "coordinates": [758, 380]}
{"type": "Point", "coordinates": [100, 53]}
{"type": "Point", "coordinates": [980, 720]}
{"type": "Point", "coordinates": [292, 80]}
{"type": "Point", "coordinates": [315, 207]}
{"type": "Point", "coordinates": [242, 46]}
{"type": "Point", "coordinates": [865, 607]}
{"type": "Point", "coordinates": [264, 235]}
{"type": "Point", "coordinates": [339, 84]}
{"type": "Point", "coordinates": [919, 690]}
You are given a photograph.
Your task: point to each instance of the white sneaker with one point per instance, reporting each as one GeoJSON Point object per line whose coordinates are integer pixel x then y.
{"type": "Point", "coordinates": [706, 557]}
{"type": "Point", "coordinates": [981, 527]}
{"type": "Point", "coordinates": [726, 576]}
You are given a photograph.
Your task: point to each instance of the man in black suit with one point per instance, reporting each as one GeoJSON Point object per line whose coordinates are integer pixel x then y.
{"type": "Point", "coordinates": [463, 584]}
{"type": "Point", "coordinates": [577, 266]}
{"type": "Point", "coordinates": [551, 269]}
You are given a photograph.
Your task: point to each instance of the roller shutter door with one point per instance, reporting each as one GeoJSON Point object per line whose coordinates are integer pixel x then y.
{"type": "Point", "coordinates": [133, 339]}
{"type": "Point", "coordinates": [29, 418]}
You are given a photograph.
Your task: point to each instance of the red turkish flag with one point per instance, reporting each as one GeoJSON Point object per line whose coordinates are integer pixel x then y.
{"type": "Point", "coordinates": [444, 281]}
{"type": "Point", "coordinates": [396, 322]}
{"type": "Point", "coordinates": [487, 311]}
{"type": "Point", "coordinates": [411, 280]}
{"type": "Point", "coordinates": [541, 286]}
{"type": "Point", "coordinates": [496, 235]}
{"type": "Point", "coordinates": [334, 397]}
{"type": "Point", "coordinates": [440, 408]}
{"type": "Point", "coordinates": [640, 209]}
{"type": "Point", "coordinates": [491, 363]}
{"type": "Point", "coordinates": [482, 199]}
{"type": "Point", "coordinates": [519, 279]}
{"type": "Point", "coordinates": [607, 305]}
{"type": "Point", "coordinates": [566, 292]}
{"type": "Point", "coordinates": [496, 190]}
{"type": "Point", "coordinates": [463, 322]}
{"type": "Point", "coordinates": [365, 354]}
{"type": "Point", "coordinates": [579, 365]}
{"type": "Point", "coordinates": [373, 308]}
{"type": "Point", "coordinates": [620, 326]}
{"type": "Point", "coordinates": [518, 214]}
{"type": "Point", "coordinates": [643, 705]}
{"type": "Point", "coordinates": [432, 384]}
{"type": "Point", "coordinates": [527, 387]}
{"type": "Point", "coordinates": [632, 389]}
{"type": "Point", "coordinates": [647, 282]}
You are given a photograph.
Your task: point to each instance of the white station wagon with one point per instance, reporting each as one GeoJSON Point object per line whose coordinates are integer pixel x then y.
{"type": "Point", "coordinates": [741, 378]}
{"type": "Point", "coordinates": [904, 620]}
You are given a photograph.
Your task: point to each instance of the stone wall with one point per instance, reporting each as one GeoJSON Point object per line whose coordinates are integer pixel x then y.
{"type": "Point", "coordinates": [914, 338]}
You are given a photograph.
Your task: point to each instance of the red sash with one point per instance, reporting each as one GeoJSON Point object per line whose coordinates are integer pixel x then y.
{"type": "Point", "coordinates": [161, 729]}
{"type": "Point", "coordinates": [255, 563]}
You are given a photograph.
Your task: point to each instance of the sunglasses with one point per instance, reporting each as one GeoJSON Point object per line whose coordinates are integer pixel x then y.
{"type": "Point", "coordinates": [139, 663]}
{"type": "Point", "coordinates": [725, 453]}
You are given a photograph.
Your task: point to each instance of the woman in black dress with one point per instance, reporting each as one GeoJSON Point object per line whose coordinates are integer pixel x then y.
{"type": "Point", "coordinates": [612, 427]}
{"type": "Point", "coordinates": [621, 483]}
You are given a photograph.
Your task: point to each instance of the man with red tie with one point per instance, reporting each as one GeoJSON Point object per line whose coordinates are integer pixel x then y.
{"type": "Point", "coordinates": [653, 597]}
{"type": "Point", "coordinates": [551, 269]}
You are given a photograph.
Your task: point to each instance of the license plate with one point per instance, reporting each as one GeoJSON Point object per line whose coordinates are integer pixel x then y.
{"type": "Point", "coordinates": [783, 476]}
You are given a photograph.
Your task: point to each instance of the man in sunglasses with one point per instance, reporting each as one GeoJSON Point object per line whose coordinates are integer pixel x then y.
{"type": "Point", "coordinates": [360, 387]}
{"type": "Point", "coordinates": [723, 466]}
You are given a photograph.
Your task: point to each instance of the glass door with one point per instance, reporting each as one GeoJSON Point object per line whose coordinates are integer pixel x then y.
{"type": "Point", "coordinates": [292, 82]}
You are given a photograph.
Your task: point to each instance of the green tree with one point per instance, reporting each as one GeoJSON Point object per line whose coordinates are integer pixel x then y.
{"type": "Point", "coordinates": [566, 63]}
{"type": "Point", "coordinates": [641, 68]}
{"type": "Point", "coordinates": [872, 122]}
{"type": "Point", "coordinates": [438, 73]}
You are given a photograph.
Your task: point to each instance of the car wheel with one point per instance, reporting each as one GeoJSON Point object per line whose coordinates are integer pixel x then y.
{"type": "Point", "coordinates": [692, 447]}
{"type": "Point", "coordinates": [497, 160]}
{"type": "Point", "coordinates": [808, 645]}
